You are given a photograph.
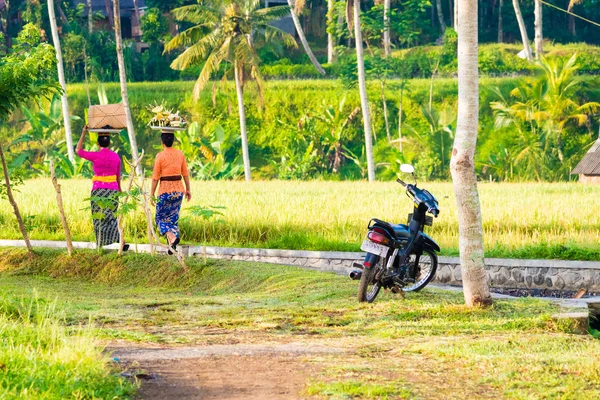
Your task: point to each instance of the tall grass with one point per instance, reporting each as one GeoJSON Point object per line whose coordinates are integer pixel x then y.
{"type": "Point", "coordinates": [528, 220]}
{"type": "Point", "coordinates": [41, 359]}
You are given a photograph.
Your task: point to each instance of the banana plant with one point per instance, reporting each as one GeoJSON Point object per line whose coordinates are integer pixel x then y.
{"type": "Point", "coordinates": [213, 153]}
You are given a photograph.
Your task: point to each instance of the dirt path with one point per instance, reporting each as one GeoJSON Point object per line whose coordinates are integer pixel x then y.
{"type": "Point", "coordinates": [254, 371]}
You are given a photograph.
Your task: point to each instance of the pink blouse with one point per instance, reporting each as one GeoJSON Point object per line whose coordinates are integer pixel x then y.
{"type": "Point", "coordinates": [106, 163]}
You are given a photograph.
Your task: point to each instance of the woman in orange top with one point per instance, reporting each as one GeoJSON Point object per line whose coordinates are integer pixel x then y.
{"type": "Point", "coordinates": [170, 168]}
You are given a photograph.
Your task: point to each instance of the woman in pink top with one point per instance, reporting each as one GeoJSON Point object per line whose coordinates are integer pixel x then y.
{"type": "Point", "coordinates": [107, 185]}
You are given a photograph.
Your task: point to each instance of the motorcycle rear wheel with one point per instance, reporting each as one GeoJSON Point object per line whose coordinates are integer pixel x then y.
{"type": "Point", "coordinates": [369, 286]}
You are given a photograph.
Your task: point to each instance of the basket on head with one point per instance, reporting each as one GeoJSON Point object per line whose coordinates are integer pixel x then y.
{"type": "Point", "coordinates": [108, 115]}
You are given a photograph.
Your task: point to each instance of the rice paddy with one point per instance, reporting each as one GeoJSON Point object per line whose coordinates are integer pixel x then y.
{"type": "Point", "coordinates": [528, 220]}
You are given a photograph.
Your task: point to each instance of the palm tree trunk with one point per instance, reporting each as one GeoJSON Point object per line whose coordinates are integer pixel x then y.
{"type": "Point", "coordinates": [136, 25]}
{"type": "Point", "coordinates": [109, 13]}
{"type": "Point", "coordinates": [456, 13]}
{"type": "Point", "coordinates": [572, 28]}
{"type": "Point", "coordinates": [385, 112]}
{"type": "Point", "coordinates": [123, 80]}
{"type": "Point", "coordinates": [539, 40]}
{"type": "Point", "coordinates": [90, 19]}
{"type": "Point", "coordinates": [440, 15]}
{"type": "Point", "coordinates": [85, 74]}
{"type": "Point", "coordinates": [61, 80]}
{"type": "Point", "coordinates": [362, 86]}
{"type": "Point", "coordinates": [462, 167]}
{"type": "Point", "coordinates": [13, 203]}
{"type": "Point", "coordinates": [400, 111]}
{"type": "Point", "coordinates": [387, 45]}
{"type": "Point", "coordinates": [240, 97]}
{"type": "Point", "coordinates": [523, 30]}
{"type": "Point", "coordinates": [330, 39]}
{"type": "Point", "coordinates": [61, 209]}
{"type": "Point", "coordinates": [302, 38]}
{"type": "Point", "coordinates": [500, 27]}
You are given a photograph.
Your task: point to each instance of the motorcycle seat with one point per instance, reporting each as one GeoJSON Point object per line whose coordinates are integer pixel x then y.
{"type": "Point", "coordinates": [401, 230]}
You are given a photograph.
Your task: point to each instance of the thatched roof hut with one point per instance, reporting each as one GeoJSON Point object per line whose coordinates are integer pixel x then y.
{"type": "Point", "coordinates": [588, 168]}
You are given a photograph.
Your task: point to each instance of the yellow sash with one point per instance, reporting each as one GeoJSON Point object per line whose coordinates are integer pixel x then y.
{"type": "Point", "coordinates": [105, 179]}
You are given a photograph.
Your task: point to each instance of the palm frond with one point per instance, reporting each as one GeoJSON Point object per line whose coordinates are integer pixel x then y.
{"type": "Point", "coordinates": [187, 37]}
{"type": "Point", "coordinates": [198, 52]}
{"type": "Point", "coordinates": [265, 15]}
{"type": "Point", "coordinates": [272, 32]}
{"type": "Point", "coordinates": [196, 14]}
{"type": "Point", "coordinates": [212, 64]}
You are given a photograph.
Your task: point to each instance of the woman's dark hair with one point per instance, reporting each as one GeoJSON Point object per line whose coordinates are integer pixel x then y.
{"type": "Point", "coordinates": [167, 139]}
{"type": "Point", "coordinates": [103, 140]}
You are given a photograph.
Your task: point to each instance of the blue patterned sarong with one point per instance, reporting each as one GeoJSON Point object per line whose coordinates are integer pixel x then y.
{"type": "Point", "coordinates": [167, 212]}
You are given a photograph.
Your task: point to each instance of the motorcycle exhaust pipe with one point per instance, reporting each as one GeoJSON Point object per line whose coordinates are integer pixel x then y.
{"type": "Point", "coordinates": [355, 275]}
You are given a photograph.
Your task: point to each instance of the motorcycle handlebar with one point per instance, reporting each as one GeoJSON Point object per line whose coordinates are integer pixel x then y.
{"type": "Point", "coordinates": [400, 181]}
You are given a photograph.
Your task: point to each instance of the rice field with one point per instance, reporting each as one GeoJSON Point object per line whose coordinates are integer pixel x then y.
{"type": "Point", "coordinates": [527, 220]}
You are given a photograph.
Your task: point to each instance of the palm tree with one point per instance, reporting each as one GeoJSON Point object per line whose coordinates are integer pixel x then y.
{"type": "Point", "coordinates": [440, 15]}
{"type": "Point", "coordinates": [226, 31]}
{"type": "Point", "coordinates": [462, 166]}
{"type": "Point", "coordinates": [123, 80]}
{"type": "Point", "coordinates": [572, 4]}
{"type": "Point", "coordinates": [61, 79]}
{"type": "Point", "coordinates": [362, 87]}
{"type": "Point", "coordinates": [330, 37]}
{"type": "Point", "coordinates": [295, 9]}
{"type": "Point", "coordinates": [523, 30]}
{"type": "Point", "coordinates": [387, 44]}
{"type": "Point", "coordinates": [539, 39]}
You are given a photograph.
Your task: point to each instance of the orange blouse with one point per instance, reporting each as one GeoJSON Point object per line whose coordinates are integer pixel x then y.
{"type": "Point", "coordinates": [170, 162]}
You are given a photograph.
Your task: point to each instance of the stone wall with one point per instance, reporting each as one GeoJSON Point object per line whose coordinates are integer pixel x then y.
{"type": "Point", "coordinates": [503, 273]}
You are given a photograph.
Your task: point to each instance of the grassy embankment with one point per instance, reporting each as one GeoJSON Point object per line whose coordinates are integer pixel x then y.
{"type": "Point", "coordinates": [427, 346]}
{"type": "Point", "coordinates": [41, 358]}
{"type": "Point", "coordinates": [520, 220]}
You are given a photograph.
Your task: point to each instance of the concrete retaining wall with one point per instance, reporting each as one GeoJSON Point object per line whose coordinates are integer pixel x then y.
{"type": "Point", "coordinates": [503, 273]}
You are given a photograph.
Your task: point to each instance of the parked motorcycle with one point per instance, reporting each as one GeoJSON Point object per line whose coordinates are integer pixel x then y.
{"type": "Point", "coordinates": [399, 257]}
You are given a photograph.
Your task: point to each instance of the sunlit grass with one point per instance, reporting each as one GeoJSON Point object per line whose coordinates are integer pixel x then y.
{"type": "Point", "coordinates": [528, 220]}
{"type": "Point", "coordinates": [429, 345]}
{"type": "Point", "coordinates": [42, 359]}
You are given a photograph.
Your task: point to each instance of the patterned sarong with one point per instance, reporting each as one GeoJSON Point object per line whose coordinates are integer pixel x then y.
{"type": "Point", "coordinates": [167, 212]}
{"type": "Point", "coordinates": [104, 207]}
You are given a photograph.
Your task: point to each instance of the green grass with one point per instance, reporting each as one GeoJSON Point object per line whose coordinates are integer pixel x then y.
{"type": "Point", "coordinates": [528, 220]}
{"type": "Point", "coordinates": [427, 346]}
{"type": "Point", "coordinates": [40, 358]}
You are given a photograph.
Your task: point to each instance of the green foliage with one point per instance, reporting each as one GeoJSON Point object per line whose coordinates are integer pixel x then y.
{"type": "Point", "coordinates": [27, 72]}
{"type": "Point", "coordinates": [154, 25]}
{"type": "Point", "coordinates": [550, 125]}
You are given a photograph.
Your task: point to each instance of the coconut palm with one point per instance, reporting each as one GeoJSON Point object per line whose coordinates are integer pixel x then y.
{"type": "Point", "coordinates": [462, 166]}
{"type": "Point", "coordinates": [523, 30]}
{"type": "Point", "coordinates": [227, 32]}
{"type": "Point", "coordinates": [539, 39]}
{"type": "Point", "coordinates": [295, 9]}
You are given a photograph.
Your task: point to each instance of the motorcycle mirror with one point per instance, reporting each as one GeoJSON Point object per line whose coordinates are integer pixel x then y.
{"type": "Point", "coordinates": [407, 169]}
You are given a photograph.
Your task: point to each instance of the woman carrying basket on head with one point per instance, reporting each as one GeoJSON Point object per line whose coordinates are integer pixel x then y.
{"type": "Point", "coordinates": [107, 185]}
{"type": "Point", "coordinates": [170, 168]}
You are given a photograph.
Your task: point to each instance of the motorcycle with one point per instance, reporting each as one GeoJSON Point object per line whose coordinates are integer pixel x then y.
{"type": "Point", "coordinates": [399, 257]}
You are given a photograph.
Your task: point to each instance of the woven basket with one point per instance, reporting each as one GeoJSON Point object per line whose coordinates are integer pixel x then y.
{"type": "Point", "coordinates": [111, 115]}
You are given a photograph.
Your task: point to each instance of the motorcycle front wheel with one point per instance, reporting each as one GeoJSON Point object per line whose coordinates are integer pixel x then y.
{"type": "Point", "coordinates": [370, 285]}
